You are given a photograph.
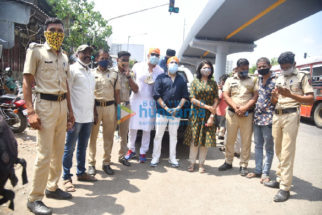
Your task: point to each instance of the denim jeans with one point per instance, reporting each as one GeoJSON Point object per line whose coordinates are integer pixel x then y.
{"type": "Point", "coordinates": [263, 137]}
{"type": "Point", "coordinates": [80, 132]}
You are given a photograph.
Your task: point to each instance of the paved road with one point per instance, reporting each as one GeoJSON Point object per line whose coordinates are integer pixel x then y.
{"type": "Point", "coordinates": [140, 189]}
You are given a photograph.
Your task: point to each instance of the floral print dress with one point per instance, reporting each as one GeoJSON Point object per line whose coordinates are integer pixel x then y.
{"type": "Point", "coordinates": [197, 132]}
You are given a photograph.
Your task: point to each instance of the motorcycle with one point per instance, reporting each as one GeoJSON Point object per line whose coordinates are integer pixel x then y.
{"type": "Point", "coordinates": [13, 109]}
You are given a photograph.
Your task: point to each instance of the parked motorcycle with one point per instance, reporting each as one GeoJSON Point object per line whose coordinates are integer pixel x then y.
{"type": "Point", "coordinates": [13, 108]}
{"type": "Point", "coordinates": [14, 111]}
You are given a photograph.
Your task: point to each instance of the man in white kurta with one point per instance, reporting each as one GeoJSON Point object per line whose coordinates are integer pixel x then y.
{"type": "Point", "coordinates": [143, 104]}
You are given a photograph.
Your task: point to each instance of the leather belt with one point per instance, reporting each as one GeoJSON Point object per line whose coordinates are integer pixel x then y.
{"type": "Point", "coordinates": [52, 97]}
{"type": "Point", "coordinates": [249, 110]}
{"type": "Point", "coordinates": [285, 111]}
{"type": "Point", "coordinates": [104, 103]}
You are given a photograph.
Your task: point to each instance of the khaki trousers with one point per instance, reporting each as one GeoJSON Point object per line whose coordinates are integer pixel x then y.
{"type": "Point", "coordinates": [50, 147]}
{"type": "Point", "coordinates": [284, 131]}
{"type": "Point", "coordinates": [194, 152]}
{"type": "Point", "coordinates": [123, 133]}
{"type": "Point", "coordinates": [245, 125]}
{"type": "Point", "coordinates": [107, 116]}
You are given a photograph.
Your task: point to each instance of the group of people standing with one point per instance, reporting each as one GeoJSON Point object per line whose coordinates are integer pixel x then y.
{"type": "Point", "coordinates": [269, 105]}
{"type": "Point", "coordinates": [79, 100]}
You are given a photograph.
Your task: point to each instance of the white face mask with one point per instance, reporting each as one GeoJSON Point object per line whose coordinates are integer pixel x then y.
{"type": "Point", "coordinates": [288, 72]}
{"type": "Point", "coordinates": [173, 68]}
{"type": "Point", "coordinates": [205, 71]}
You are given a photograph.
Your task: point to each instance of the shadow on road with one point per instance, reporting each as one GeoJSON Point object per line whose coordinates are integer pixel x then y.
{"type": "Point", "coordinates": [305, 190]}
{"type": "Point", "coordinates": [101, 204]}
{"type": "Point", "coordinates": [26, 137]}
{"type": "Point", "coordinates": [307, 121]}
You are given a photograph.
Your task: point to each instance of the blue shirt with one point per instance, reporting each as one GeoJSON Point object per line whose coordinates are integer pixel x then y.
{"type": "Point", "coordinates": [163, 64]}
{"type": "Point", "coordinates": [171, 92]}
{"type": "Point", "coordinates": [264, 108]}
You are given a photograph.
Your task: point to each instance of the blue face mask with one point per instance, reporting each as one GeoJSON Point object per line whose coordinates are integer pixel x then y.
{"type": "Point", "coordinates": [243, 74]}
{"type": "Point", "coordinates": [103, 63]}
{"type": "Point", "coordinates": [173, 68]}
{"type": "Point", "coordinates": [154, 60]}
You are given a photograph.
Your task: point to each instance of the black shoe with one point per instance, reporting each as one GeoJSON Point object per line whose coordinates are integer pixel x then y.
{"type": "Point", "coordinates": [91, 170]}
{"type": "Point", "coordinates": [124, 162]}
{"type": "Point", "coordinates": [237, 155]}
{"type": "Point", "coordinates": [38, 207]}
{"type": "Point", "coordinates": [282, 196]}
{"type": "Point", "coordinates": [108, 170]}
{"type": "Point", "coordinates": [225, 166]}
{"type": "Point", "coordinates": [243, 171]}
{"type": "Point", "coordinates": [222, 149]}
{"type": "Point", "coordinates": [221, 137]}
{"type": "Point", "coordinates": [58, 194]}
{"type": "Point", "coordinates": [272, 184]}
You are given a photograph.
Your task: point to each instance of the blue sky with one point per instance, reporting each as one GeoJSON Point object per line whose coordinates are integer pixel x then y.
{"type": "Point", "coordinates": [157, 28]}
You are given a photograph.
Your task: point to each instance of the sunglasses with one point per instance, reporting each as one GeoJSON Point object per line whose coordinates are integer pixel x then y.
{"type": "Point", "coordinates": [154, 54]}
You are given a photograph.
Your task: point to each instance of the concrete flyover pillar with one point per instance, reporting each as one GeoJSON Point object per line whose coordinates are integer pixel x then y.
{"type": "Point", "coordinates": [220, 63]}
{"type": "Point", "coordinates": [221, 49]}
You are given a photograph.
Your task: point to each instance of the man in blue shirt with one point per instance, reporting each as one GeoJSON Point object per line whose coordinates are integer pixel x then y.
{"type": "Point", "coordinates": [163, 62]}
{"type": "Point", "coordinates": [170, 92]}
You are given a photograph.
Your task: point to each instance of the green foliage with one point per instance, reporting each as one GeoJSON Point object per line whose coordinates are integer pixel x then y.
{"type": "Point", "coordinates": [82, 24]}
{"type": "Point", "coordinates": [132, 62]}
{"type": "Point", "coordinates": [274, 61]}
{"type": "Point", "coordinates": [252, 69]}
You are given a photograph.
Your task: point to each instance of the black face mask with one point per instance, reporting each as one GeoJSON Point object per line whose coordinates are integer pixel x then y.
{"type": "Point", "coordinates": [263, 71]}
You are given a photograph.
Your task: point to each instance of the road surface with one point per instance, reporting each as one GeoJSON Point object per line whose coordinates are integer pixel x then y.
{"type": "Point", "coordinates": [141, 189]}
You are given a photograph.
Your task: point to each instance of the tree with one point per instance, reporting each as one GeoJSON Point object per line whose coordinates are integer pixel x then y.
{"type": "Point", "coordinates": [252, 69]}
{"type": "Point", "coordinates": [274, 61]}
{"type": "Point", "coordinates": [82, 24]}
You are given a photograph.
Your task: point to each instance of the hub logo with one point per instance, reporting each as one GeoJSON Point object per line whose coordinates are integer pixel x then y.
{"type": "Point", "coordinates": [123, 113]}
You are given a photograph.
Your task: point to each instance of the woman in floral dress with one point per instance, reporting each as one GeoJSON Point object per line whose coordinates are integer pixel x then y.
{"type": "Point", "coordinates": [201, 132]}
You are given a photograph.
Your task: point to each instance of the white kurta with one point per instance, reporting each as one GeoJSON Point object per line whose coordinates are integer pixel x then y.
{"type": "Point", "coordinates": [142, 102]}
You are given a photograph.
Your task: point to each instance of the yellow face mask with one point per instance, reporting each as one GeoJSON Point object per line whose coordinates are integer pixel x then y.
{"type": "Point", "coordinates": [54, 39]}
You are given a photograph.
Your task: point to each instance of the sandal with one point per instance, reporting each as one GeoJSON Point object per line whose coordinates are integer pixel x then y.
{"type": "Point", "coordinates": [202, 169]}
{"type": "Point", "coordinates": [253, 175]}
{"type": "Point", "coordinates": [191, 168]}
{"type": "Point", "coordinates": [265, 180]}
{"type": "Point", "coordinates": [68, 186]}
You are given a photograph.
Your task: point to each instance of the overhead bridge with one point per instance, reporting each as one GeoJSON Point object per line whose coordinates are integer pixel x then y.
{"type": "Point", "coordinates": [230, 26]}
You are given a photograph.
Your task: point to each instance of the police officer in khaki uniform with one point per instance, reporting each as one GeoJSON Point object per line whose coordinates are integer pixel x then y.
{"type": "Point", "coordinates": [240, 93]}
{"type": "Point", "coordinates": [47, 65]}
{"type": "Point", "coordinates": [292, 89]}
{"type": "Point", "coordinates": [127, 84]}
{"type": "Point", "coordinates": [107, 96]}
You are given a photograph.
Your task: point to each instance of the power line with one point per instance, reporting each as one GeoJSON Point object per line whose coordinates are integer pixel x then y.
{"type": "Point", "coordinates": [137, 11]}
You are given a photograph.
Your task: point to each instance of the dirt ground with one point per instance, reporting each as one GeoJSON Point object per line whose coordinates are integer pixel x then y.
{"type": "Point", "coordinates": [141, 189]}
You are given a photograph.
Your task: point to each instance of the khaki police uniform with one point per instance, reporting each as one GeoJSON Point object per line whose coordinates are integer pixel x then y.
{"type": "Point", "coordinates": [50, 71]}
{"type": "Point", "coordinates": [105, 83]}
{"type": "Point", "coordinates": [241, 91]}
{"type": "Point", "coordinates": [124, 125]}
{"type": "Point", "coordinates": [286, 123]}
